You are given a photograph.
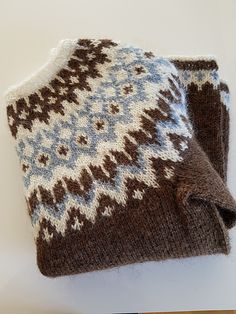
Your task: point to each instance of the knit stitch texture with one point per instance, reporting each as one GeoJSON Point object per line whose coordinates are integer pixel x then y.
{"type": "Point", "coordinates": [112, 158]}
{"type": "Point", "coordinates": [208, 103]}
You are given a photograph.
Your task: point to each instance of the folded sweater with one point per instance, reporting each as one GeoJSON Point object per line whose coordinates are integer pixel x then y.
{"type": "Point", "coordinates": [113, 166]}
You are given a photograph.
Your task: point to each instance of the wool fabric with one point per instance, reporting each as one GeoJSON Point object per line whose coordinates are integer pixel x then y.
{"type": "Point", "coordinates": [119, 163]}
{"type": "Point", "coordinates": [208, 101]}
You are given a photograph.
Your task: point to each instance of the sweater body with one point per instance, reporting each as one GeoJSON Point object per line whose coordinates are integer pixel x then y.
{"type": "Point", "coordinates": [112, 172]}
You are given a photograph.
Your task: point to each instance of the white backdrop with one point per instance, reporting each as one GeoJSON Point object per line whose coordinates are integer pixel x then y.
{"type": "Point", "coordinates": [28, 30]}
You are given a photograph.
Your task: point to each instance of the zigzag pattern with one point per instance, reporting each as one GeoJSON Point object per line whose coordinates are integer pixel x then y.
{"type": "Point", "coordinates": [131, 119]}
{"type": "Point", "coordinates": [116, 191]}
{"type": "Point", "coordinates": [141, 169]}
{"type": "Point", "coordinates": [116, 142]}
{"type": "Point", "coordinates": [113, 137]}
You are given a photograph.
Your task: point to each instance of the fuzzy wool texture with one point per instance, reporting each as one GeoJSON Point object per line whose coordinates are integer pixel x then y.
{"type": "Point", "coordinates": [119, 162]}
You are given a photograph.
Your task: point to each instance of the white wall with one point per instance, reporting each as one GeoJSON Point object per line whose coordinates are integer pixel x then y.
{"type": "Point", "coordinates": [28, 30]}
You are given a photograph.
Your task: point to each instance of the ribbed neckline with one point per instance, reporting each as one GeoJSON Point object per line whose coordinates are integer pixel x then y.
{"type": "Point", "coordinates": [58, 58]}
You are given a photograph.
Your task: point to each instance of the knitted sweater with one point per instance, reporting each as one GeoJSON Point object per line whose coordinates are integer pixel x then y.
{"type": "Point", "coordinates": [112, 170]}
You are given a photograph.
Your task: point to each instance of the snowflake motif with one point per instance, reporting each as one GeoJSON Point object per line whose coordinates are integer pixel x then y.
{"type": "Point", "coordinates": [82, 140]}
{"type": "Point", "coordinates": [43, 160]}
{"type": "Point", "coordinates": [127, 89]}
{"type": "Point", "coordinates": [63, 91]}
{"type": "Point", "coordinates": [114, 108]}
{"type": "Point", "coordinates": [63, 152]}
{"type": "Point", "coordinates": [139, 70]}
{"type": "Point", "coordinates": [100, 125]}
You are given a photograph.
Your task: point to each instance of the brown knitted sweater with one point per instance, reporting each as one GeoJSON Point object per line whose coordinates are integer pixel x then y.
{"type": "Point", "coordinates": [208, 103]}
{"type": "Point", "coordinates": [112, 171]}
